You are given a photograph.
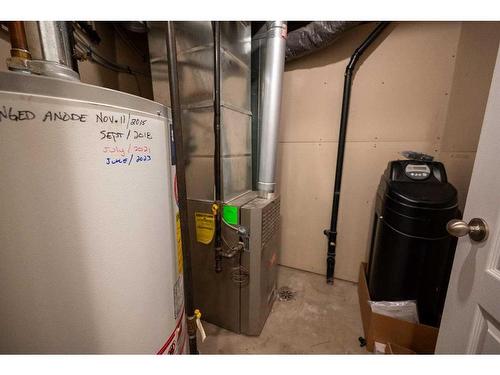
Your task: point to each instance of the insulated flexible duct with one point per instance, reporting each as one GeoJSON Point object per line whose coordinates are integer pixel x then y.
{"type": "Point", "coordinates": [314, 36]}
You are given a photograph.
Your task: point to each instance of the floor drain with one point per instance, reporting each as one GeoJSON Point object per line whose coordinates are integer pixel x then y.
{"type": "Point", "coordinates": [286, 294]}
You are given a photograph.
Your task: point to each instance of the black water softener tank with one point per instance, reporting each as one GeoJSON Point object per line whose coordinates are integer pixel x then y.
{"type": "Point", "coordinates": [412, 254]}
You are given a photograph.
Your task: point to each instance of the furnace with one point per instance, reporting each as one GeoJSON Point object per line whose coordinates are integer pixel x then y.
{"type": "Point", "coordinates": [236, 79]}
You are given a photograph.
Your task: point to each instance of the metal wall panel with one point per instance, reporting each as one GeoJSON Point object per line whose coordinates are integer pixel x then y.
{"type": "Point", "coordinates": [236, 133]}
{"type": "Point", "coordinates": [235, 64]}
{"type": "Point", "coordinates": [235, 85]}
{"type": "Point", "coordinates": [195, 62]}
{"type": "Point", "coordinates": [192, 34]}
{"type": "Point", "coordinates": [198, 136]}
{"type": "Point", "coordinates": [236, 115]}
{"type": "Point", "coordinates": [200, 178]}
{"type": "Point", "coordinates": [196, 76]}
{"type": "Point", "coordinates": [236, 176]}
{"type": "Point", "coordinates": [157, 42]}
{"type": "Point", "coordinates": [236, 38]}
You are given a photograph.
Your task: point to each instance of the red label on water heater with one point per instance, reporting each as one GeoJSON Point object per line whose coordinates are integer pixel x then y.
{"type": "Point", "coordinates": [176, 340]}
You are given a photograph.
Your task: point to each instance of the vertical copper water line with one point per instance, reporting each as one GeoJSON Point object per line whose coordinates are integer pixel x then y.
{"type": "Point", "coordinates": [18, 42]}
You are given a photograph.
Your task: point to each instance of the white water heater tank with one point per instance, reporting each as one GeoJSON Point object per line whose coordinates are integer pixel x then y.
{"type": "Point", "coordinates": [90, 252]}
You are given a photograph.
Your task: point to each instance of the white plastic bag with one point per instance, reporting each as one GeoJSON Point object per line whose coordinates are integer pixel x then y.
{"type": "Point", "coordinates": [404, 310]}
{"type": "Point", "coordinates": [379, 348]}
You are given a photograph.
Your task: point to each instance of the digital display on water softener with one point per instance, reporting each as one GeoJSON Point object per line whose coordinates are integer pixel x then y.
{"type": "Point", "coordinates": [417, 171]}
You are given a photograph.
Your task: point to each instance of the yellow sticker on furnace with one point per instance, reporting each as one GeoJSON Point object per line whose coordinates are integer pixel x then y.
{"type": "Point", "coordinates": [205, 227]}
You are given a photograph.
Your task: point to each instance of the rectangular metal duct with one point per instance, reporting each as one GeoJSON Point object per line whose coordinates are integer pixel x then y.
{"type": "Point", "coordinates": [196, 71]}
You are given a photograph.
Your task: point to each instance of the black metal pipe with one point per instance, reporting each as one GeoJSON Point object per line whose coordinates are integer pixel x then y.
{"type": "Point", "coordinates": [349, 72]}
{"type": "Point", "coordinates": [217, 155]}
{"type": "Point", "coordinates": [181, 184]}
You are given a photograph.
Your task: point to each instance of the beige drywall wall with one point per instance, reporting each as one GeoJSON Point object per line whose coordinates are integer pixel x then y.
{"type": "Point", "coordinates": [95, 74]}
{"type": "Point", "coordinates": [136, 84]}
{"type": "Point", "coordinates": [475, 60]}
{"type": "Point", "coordinates": [400, 101]}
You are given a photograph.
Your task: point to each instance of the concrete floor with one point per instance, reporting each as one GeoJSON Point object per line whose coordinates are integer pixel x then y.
{"type": "Point", "coordinates": [320, 320]}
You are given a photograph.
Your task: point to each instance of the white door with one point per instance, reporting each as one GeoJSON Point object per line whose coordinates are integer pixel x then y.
{"type": "Point", "coordinates": [471, 318]}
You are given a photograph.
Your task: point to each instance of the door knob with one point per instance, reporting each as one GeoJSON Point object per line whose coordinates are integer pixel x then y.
{"type": "Point", "coordinates": [477, 229]}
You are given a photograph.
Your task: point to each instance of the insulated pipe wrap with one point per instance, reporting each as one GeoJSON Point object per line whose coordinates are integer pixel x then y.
{"type": "Point", "coordinates": [271, 104]}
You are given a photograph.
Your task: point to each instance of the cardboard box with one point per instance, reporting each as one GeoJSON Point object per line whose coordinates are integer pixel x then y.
{"type": "Point", "coordinates": [419, 338]}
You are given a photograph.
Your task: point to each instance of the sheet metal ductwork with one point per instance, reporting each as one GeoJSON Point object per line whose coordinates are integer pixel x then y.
{"type": "Point", "coordinates": [240, 296]}
{"type": "Point", "coordinates": [315, 36]}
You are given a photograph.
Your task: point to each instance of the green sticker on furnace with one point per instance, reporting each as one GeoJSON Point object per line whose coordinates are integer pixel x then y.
{"type": "Point", "coordinates": [230, 214]}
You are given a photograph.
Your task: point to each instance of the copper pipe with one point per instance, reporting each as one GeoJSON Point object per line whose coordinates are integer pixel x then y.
{"type": "Point", "coordinates": [18, 42]}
